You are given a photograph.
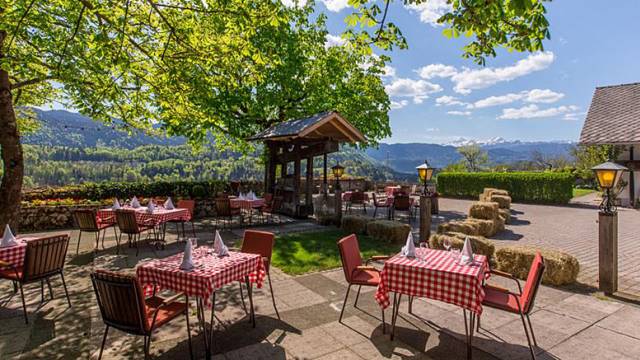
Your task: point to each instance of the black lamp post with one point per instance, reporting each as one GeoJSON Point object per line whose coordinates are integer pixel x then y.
{"type": "Point", "coordinates": [338, 171]}
{"type": "Point", "coordinates": [425, 172]}
{"type": "Point", "coordinates": [608, 175]}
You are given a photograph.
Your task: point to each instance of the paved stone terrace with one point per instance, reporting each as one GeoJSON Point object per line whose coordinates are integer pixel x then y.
{"type": "Point", "coordinates": [568, 325]}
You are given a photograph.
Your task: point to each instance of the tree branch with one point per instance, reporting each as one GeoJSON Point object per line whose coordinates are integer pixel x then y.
{"type": "Point", "coordinates": [15, 31]}
{"type": "Point", "coordinates": [33, 81]}
{"type": "Point", "coordinates": [73, 35]}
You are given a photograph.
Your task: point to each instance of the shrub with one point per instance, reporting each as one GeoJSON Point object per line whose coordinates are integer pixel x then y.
{"type": "Point", "coordinates": [483, 210]}
{"type": "Point", "coordinates": [356, 224]}
{"type": "Point", "coordinates": [480, 244]}
{"type": "Point", "coordinates": [389, 231]}
{"type": "Point", "coordinates": [535, 187]}
{"type": "Point", "coordinates": [561, 268]}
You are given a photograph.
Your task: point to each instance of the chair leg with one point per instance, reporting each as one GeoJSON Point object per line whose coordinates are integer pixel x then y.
{"type": "Point", "coordinates": [104, 232]}
{"type": "Point", "coordinates": [147, 344]}
{"type": "Point", "coordinates": [531, 329]}
{"type": "Point", "coordinates": [15, 287]}
{"type": "Point", "coordinates": [24, 306]}
{"type": "Point", "coordinates": [41, 291]}
{"type": "Point", "coordinates": [375, 211]}
{"type": "Point", "coordinates": [273, 298]}
{"type": "Point", "coordinates": [244, 305]}
{"type": "Point", "coordinates": [186, 314]}
{"type": "Point", "coordinates": [344, 303]}
{"type": "Point", "coordinates": [357, 296]}
{"type": "Point", "coordinates": [104, 339]}
{"type": "Point", "coordinates": [136, 237]}
{"type": "Point", "coordinates": [64, 284]}
{"type": "Point", "coordinates": [193, 229]}
{"type": "Point", "coordinates": [115, 233]}
{"type": "Point", "coordinates": [526, 332]}
{"type": "Point", "coordinates": [410, 305]}
{"type": "Point", "coordinates": [78, 245]}
{"type": "Point", "coordinates": [50, 289]}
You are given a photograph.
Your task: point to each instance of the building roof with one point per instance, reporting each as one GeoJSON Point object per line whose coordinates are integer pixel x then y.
{"type": "Point", "coordinates": [614, 116]}
{"type": "Point", "coordinates": [328, 124]}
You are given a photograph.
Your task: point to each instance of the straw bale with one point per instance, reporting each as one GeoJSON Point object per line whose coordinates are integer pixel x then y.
{"type": "Point", "coordinates": [483, 210]}
{"type": "Point", "coordinates": [561, 268]}
{"type": "Point", "coordinates": [388, 230]}
{"type": "Point", "coordinates": [480, 244]}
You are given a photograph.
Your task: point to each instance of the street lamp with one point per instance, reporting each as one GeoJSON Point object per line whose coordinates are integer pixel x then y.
{"type": "Point", "coordinates": [608, 175]}
{"type": "Point", "coordinates": [338, 171]}
{"type": "Point", "coordinates": [425, 172]}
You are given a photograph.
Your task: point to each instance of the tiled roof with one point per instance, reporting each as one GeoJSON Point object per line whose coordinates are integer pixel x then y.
{"type": "Point", "coordinates": [291, 127]}
{"type": "Point", "coordinates": [614, 116]}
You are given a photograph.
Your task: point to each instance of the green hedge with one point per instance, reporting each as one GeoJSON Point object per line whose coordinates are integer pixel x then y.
{"type": "Point", "coordinates": [99, 191]}
{"type": "Point", "coordinates": [533, 187]}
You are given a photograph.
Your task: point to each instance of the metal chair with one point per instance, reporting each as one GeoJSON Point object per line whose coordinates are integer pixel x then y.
{"type": "Point", "coordinates": [123, 306]}
{"type": "Point", "coordinates": [380, 204]}
{"type": "Point", "coordinates": [128, 224]}
{"type": "Point", "coordinates": [189, 205]}
{"type": "Point", "coordinates": [401, 202]}
{"type": "Point", "coordinates": [225, 211]}
{"type": "Point", "coordinates": [357, 198]}
{"type": "Point", "coordinates": [270, 208]}
{"type": "Point", "coordinates": [355, 273]}
{"type": "Point", "coordinates": [43, 259]}
{"type": "Point", "coordinates": [261, 243]}
{"type": "Point", "coordinates": [88, 221]}
{"type": "Point", "coordinates": [521, 303]}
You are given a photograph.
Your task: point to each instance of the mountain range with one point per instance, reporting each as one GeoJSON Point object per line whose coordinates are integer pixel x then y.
{"type": "Point", "coordinates": [64, 128]}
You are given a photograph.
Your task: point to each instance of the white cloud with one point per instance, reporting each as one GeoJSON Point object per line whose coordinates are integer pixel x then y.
{"type": "Point", "coordinates": [416, 89]}
{"type": "Point", "coordinates": [533, 96]}
{"type": "Point", "coordinates": [399, 104]}
{"type": "Point", "coordinates": [335, 5]}
{"type": "Point", "coordinates": [292, 3]}
{"type": "Point", "coordinates": [497, 100]}
{"type": "Point", "coordinates": [430, 11]}
{"type": "Point", "coordinates": [574, 116]}
{"type": "Point", "coordinates": [473, 79]}
{"type": "Point", "coordinates": [448, 101]}
{"type": "Point", "coordinates": [543, 96]}
{"type": "Point", "coordinates": [389, 71]}
{"type": "Point", "coordinates": [533, 111]}
{"type": "Point", "coordinates": [334, 40]}
{"type": "Point", "coordinates": [459, 113]}
{"type": "Point", "coordinates": [436, 70]}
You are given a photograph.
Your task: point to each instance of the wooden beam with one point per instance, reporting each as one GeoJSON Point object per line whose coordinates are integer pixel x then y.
{"type": "Point", "coordinates": [311, 151]}
{"type": "Point", "coordinates": [309, 197]}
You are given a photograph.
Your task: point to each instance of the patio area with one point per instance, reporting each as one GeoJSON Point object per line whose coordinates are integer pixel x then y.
{"type": "Point", "coordinates": [569, 323]}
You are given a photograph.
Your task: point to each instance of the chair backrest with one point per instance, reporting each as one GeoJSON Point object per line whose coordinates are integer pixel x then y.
{"type": "Point", "coordinates": [127, 222]}
{"type": "Point", "coordinates": [121, 301]}
{"type": "Point", "coordinates": [187, 204]}
{"type": "Point", "coordinates": [350, 255]}
{"type": "Point", "coordinates": [268, 198]}
{"type": "Point", "coordinates": [401, 202]}
{"type": "Point", "coordinates": [223, 206]}
{"type": "Point", "coordinates": [85, 219]}
{"type": "Point", "coordinates": [533, 283]}
{"type": "Point", "coordinates": [259, 242]}
{"type": "Point", "coordinates": [277, 203]}
{"type": "Point", "coordinates": [357, 197]}
{"type": "Point", "coordinates": [45, 256]}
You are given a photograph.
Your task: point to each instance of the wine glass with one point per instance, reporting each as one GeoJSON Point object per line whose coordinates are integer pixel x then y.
{"type": "Point", "coordinates": [423, 250]}
{"type": "Point", "coordinates": [447, 243]}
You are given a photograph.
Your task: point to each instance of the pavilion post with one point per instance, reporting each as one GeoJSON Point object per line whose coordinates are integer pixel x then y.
{"type": "Point", "coordinates": [325, 186]}
{"type": "Point", "coordinates": [338, 202]}
{"type": "Point", "coordinates": [425, 218]}
{"type": "Point", "coordinates": [309, 194]}
{"type": "Point", "coordinates": [608, 252]}
{"type": "Point", "coordinates": [296, 186]}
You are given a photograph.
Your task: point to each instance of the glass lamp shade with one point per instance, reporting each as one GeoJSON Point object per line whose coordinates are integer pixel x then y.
{"type": "Point", "coordinates": [425, 172]}
{"type": "Point", "coordinates": [337, 170]}
{"type": "Point", "coordinates": [608, 174]}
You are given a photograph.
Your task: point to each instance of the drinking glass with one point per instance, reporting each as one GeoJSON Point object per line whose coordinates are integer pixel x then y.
{"type": "Point", "coordinates": [447, 243]}
{"type": "Point", "coordinates": [423, 251]}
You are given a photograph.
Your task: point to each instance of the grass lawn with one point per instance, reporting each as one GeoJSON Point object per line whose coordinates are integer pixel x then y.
{"type": "Point", "coordinates": [581, 192]}
{"type": "Point", "coordinates": [304, 252]}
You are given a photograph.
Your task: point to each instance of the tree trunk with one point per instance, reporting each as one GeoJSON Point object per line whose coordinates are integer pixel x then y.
{"type": "Point", "coordinates": [11, 153]}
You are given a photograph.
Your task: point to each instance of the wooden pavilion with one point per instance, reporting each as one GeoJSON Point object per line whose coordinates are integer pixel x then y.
{"type": "Point", "coordinates": [293, 142]}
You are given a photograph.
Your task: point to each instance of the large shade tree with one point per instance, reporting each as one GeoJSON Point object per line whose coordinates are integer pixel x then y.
{"type": "Point", "coordinates": [224, 67]}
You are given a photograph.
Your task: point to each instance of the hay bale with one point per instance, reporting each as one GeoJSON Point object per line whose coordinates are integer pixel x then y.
{"type": "Point", "coordinates": [505, 215]}
{"type": "Point", "coordinates": [461, 226]}
{"type": "Point", "coordinates": [504, 201]}
{"type": "Point", "coordinates": [483, 210]}
{"type": "Point", "coordinates": [356, 224]}
{"type": "Point", "coordinates": [499, 224]}
{"type": "Point", "coordinates": [561, 268]}
{"type": "Point", "coordinates": [480, 244]}
{"type": "Point", "coordinates": [488, 192]}
{"type": "Point", "coordinates": [389, 231]}
{"type": "Point", "coordinates": [486, 228]}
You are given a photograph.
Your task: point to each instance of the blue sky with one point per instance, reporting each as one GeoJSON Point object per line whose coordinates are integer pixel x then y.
{"type": "Point", "coordinates": [439, 97]}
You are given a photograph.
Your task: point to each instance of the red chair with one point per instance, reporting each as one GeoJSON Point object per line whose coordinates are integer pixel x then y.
{"type": "Point", "coordinates": [354, 272]}
{"type": "Point", "coordinates": [380, 204]}
{"type": "Point", "coordinates": [128, 224]}
{"type": "Point", "coordinates": [88, 221]}
{"type": "Point", "coordinates": [261, 243]}
{"type": "Point", "coordinates": [357, 198]}
{"type": "Point", "coordinates": [522, 303]}
{"type": "Point", "coordinates": [123, 306]}
{"type": "Point", "coordinates": [401, 202]}
{"type": "Point", "coordinates": [189, 205]}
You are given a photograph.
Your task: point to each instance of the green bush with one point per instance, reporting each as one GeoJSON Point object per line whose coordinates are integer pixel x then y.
{"type": "Point", "coordinates": [533, 187]}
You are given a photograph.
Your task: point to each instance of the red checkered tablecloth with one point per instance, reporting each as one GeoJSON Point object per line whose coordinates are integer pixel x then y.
{"type": "Point", "coordinates": [210, 272]}
{"type": "Point", "coordinates": [15, 254]}
{"type": "Point", "coordinates": [159, 215]}
{"type": "Point", "coordinates": [440, 277]}
{"type": "Point", "coordinates": [246, 204]}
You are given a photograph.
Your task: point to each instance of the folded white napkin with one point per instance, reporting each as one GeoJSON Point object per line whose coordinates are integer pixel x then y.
{"type": "Point", "coordinates": [169, 204]}
{"type": "Point", "coordinates": [135, 203]}
{"type": "Point", "coordinates": [251, 196]}
{"type": "Point", "coordinates": [116, 204]}
{"type": "Point", "coordinates": [151, 207]}
{"type": "Point", "coordinates": [8, 239]}
{"type": "Point", "coordinates": [466, 256]}
{"type": "Point", "coordinates": [409, 250]}
{"type": "Point", "coordinates": [219, 247]}
{"type": "Point", "coordinates": [241, 196]}
{"type": "Point", "coordinates": [187, 257]}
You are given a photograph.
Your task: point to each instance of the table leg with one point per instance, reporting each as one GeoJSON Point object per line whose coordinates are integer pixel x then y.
{"type": "Point", "coordinates": [211, 322]}
{"type": "Point", "coordinates": [469, 330]}
{"type": "Point", "coordinates": [203, 326]}
{"type": "Point", "coordinates": [250, 292]}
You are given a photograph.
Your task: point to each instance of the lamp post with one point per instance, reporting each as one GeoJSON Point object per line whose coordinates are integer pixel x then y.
{"type": "Point", "coordinates": [338, 171]}
{"type": "Point", "coordinates": [608, 174]}
{"type": "Point", "coordinates": [425, 172]}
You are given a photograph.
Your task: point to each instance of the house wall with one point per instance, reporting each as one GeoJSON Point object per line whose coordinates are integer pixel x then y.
{"type": "Point", "coordinates": [625, 196]}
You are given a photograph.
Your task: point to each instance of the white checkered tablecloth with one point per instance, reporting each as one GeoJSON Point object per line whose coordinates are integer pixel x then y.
{"type": "Point", "coordinates": [210, 272]}
{"type": "Point", "coordinates": [246, 204]}
{"type": "Point", "coordinates": [440, 277]}
{"type": "Point", "coordinates": [14, 254]}
{"type": "Point", "coordinates": [159, 216]}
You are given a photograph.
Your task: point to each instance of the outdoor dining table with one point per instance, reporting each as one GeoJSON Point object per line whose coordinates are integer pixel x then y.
{"type": "Point", "coordinates": [246, 205]}
{"type": "Point", "coordinates": [210, 272]}
{"type": "Point", "coordinates": [159, 217]}
{"type": "Point", "coordinates": [390, 190]}
{"type": "Point", "coordinates": [14, 255]}
{"type": "Point", "coordinates": [438, 275]}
